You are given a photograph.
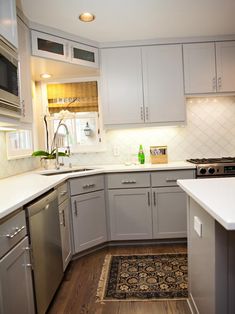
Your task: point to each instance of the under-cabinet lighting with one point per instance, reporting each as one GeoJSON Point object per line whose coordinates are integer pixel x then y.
{"type": "Point", "coordinates": [5, 128]}
{"type": "Point", "coordinates": [45, 75]}
{"type": "Point", "coordinates": [86, 17]}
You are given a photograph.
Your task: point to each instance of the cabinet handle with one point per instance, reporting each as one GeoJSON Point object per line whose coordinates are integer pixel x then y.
{"type": "Point", "coordinates": [154, 198]}
{"type": "Point", "coordinates": [171, 180]}
{"type": "Point", "coordinates": [146, 113]}
{"type": "Point", "coordinates": [63, 218]}
{"type": "Point", "coordinates": [86, 186]}
{"type": "Point", "coordinates": [17, 230]}
{"type": "Point", "coordinates": [148, 198]}
{"type": "Point", "coordinates": [63, 193]}
{"type": "Point", "coordinates": [142, 113]}
{"type": "Point", "coordinates": [128, 181]}
{"type": "Point", "coordinates": [219, 83]}
{"type": "Point", "coordinates": [214, 84]}
{"type": "Point", "coordinates": [75, 208]}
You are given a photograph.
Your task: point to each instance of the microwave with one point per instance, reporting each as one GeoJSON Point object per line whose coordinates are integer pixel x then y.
{"type": "Point", "coordinates": [9, 90]}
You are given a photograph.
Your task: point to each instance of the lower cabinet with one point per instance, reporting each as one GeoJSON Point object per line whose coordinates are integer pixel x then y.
{"type": "Point", "coordinates": [130, 214]}
{"type": "Point", "coordinates": [16, 290]}
{"type": "Point", "coordinates": [66, 244]}
{"type": "Point", "coordinates": [169, 212]}
{"type": "Point", "coordinates": [89, 220]}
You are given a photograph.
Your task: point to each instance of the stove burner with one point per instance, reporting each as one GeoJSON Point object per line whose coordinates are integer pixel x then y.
{"type": "Point", "coordinates": [212, 160]}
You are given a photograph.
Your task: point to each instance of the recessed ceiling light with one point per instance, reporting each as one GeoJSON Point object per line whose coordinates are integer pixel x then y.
{"type": "Point", "coordinates": [86, 17]}
{"type": "Point", "coordinates": [45, 75]}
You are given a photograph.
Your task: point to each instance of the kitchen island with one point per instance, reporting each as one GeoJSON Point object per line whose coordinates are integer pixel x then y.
{"type": "Point", "coordinates": [211, 244]}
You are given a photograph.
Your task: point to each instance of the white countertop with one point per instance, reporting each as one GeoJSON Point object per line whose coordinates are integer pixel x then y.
{"type": "Point", "coordinates": [19, 190]}
{"type": "Point", "coordinates": [216, 196]}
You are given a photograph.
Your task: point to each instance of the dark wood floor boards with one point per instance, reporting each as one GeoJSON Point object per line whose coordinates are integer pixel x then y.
{"type": "Point", "coordinates": [77, 293]}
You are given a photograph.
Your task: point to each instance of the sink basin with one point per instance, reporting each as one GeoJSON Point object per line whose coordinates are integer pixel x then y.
{"type": "Point", "coordinates": [56, 172]}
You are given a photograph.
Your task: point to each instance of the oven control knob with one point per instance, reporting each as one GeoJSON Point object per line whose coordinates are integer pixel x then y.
{"type": "Point", "coordinates": [211, 170]}
{"type": "Point", "coordinates": [202, 170]}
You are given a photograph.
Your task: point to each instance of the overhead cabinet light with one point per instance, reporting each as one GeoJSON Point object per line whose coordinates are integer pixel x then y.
{"type": "Point", "coordinates": [45, 75]}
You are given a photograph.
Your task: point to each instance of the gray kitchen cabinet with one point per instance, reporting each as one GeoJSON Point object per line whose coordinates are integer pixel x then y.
{"type": "Point", "coordinates": [130, 214]}
{"type": "Point", "coordinates": [163, 84]}
{"type": "Point", "coordinates": [209, 67]}
{"type": "Point", "coordinates": [24, 53]}
{"type": "Point", "coordinates": [122, 91]}
{"type": "Point", "coordinates": [65, 224]}
{"type": "Point", "coordinates": [8, 28]}
{"type": "Point", "coordinates": [89, 220]}
{"type": "Point", "coordinates": [136, 82]}
{"type": "Point", "coordinates": [169, 213]}
{"type": "Point", "coordinates": [16, 289]}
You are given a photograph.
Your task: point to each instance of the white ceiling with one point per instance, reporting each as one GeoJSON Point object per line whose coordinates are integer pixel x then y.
{"type": "Point", "coordinates": [118, 20]}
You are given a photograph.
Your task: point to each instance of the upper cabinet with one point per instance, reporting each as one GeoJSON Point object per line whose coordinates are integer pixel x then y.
{"type": "Point", "coordinates": [122, 89]}
{"type": "Point", "coordinates": [8, 24]}
{"type": "Point", "coordinates": [136, 83]}
{"type": "Point", "coordinates": [25, 86]}
{"type": "Point", "coordinates": [163, 84]}
{"type": "Point", "coordinates": [209, 67]}
{"type": "Point", "coordinates": [57, 48]}
{"type": "Point", "coordinates": [225, 61]}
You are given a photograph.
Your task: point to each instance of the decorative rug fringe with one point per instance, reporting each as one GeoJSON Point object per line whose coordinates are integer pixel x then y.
{"type": "Point", "coordinates": [103, 279]}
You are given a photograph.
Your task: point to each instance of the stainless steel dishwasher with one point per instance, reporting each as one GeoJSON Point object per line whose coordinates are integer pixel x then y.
{"type": "Point", "coordinates": [46, 252]}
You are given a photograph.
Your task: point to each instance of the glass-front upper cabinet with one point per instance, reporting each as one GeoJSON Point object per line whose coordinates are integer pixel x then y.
{"type": "Point", "coordinates": [57, 48]}
{"type": "Point", "coordinates": [48, 46]}
{"type": "Point", "coordinates": [84, 55]}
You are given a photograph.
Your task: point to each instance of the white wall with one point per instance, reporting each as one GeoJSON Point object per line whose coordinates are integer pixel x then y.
{"type": "Point", "coordinates": [210, 132]}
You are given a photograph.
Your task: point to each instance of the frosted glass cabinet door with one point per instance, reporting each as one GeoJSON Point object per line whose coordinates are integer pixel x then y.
{"type": "Point", "coordinates": [225, 59]}
{"type": "Point", "coordinates": [122, 94]}
{"type": "Point", "coordinates": [130, 214]}
{"type": "Point", "coordinates": [163, 84]}
{"type": "Point", "coordinates": [199, 68]}
{"type": "Point", "coordinates": [8, 27]}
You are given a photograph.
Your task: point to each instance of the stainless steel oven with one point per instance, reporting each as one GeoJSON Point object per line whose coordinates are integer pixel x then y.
{"type": "Point", "coordinates": [9, 91]}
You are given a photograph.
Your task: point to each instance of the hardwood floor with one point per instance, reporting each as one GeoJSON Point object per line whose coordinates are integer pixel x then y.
{"type": "Point", "coordinates": [77, 293]}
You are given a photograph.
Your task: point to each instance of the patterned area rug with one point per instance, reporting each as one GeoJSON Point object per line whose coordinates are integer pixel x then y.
{"type": "Point", "coordinates": [143, 277]}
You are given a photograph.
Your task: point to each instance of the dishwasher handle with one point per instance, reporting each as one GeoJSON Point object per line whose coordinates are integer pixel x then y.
{"type": "Point", "coordinates": [42, 204]}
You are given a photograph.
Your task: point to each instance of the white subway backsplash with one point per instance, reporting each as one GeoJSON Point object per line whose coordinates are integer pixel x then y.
{"type": "Point", "coordinates": [210, 132]}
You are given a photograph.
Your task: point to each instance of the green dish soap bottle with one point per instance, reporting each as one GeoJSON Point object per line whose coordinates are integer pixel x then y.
{"type": "Point", "coordinates": [141, 156]}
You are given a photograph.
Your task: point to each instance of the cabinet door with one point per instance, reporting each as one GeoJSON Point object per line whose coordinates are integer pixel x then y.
{"type": "Point", "coordinates": [169, 213]}
{"type": "Point", "coordinates": [16, 290]}
{"type": "Point", "coordinates": [8, 27]}
{"type": "Point", "coordinates": [89, 220]}
{"type": "Point", "coordinates": [163, 83]}
{"type": "Point", "coordinates": [130, 214]}
{"type": "Point", "coordinates": [48, 46]}
{"type": "Point", "coordinates": [64, 211]}
{"type": "Point", "coordinates": [199, 68]}
{"type": "Point", "coordinates": [225, 60]}
{"type": "Point", "coordinates": [122, 94]}
{"type": "Point", "coordinates": [25, 72]}
{"type": "Point", "coordinates": [84, 55]}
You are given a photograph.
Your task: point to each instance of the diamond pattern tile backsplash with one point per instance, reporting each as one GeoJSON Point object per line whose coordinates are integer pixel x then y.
{"type": "Point", "coordinates": [210, 132]}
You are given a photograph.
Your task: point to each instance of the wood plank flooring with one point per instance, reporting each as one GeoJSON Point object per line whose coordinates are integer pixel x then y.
{"type": "Point", "coordinates": [77, 293]}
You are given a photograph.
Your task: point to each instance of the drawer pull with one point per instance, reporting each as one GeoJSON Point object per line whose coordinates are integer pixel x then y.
{"type": "Point", "coordinates": [17, 230]}
{"type": "Point", "coordinates": [87, 186]}
{"type": "Point", "coordinates": [63, 193]}
{"type": "Point", "coordinates": [171, 180]}
{"type": "Point", "coordinates": [154, 198]}
{"type": "Point", "coordinates": [75, 208]}
{"type": "Point", "coordinates": [128, 181]}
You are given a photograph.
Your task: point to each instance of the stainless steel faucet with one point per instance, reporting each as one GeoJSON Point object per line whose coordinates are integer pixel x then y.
{"type": "Point", "coordinates": [55, 143]}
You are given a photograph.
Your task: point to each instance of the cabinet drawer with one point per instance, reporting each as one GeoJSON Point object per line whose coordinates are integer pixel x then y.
{"type": "Point", "coordinates": [169, 177]}
{"type": "Point", "coordinates": [86, 184]}
{"type": "Point", "coordinates": [11, 232]}
{"type": "Point", "coordinates": [128, 180]}
{"type": "Point", "coordinates": [62, 192]}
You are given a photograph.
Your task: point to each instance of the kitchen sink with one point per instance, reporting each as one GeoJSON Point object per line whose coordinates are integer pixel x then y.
{"type": "Point", "coordinates": [56, 172]}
